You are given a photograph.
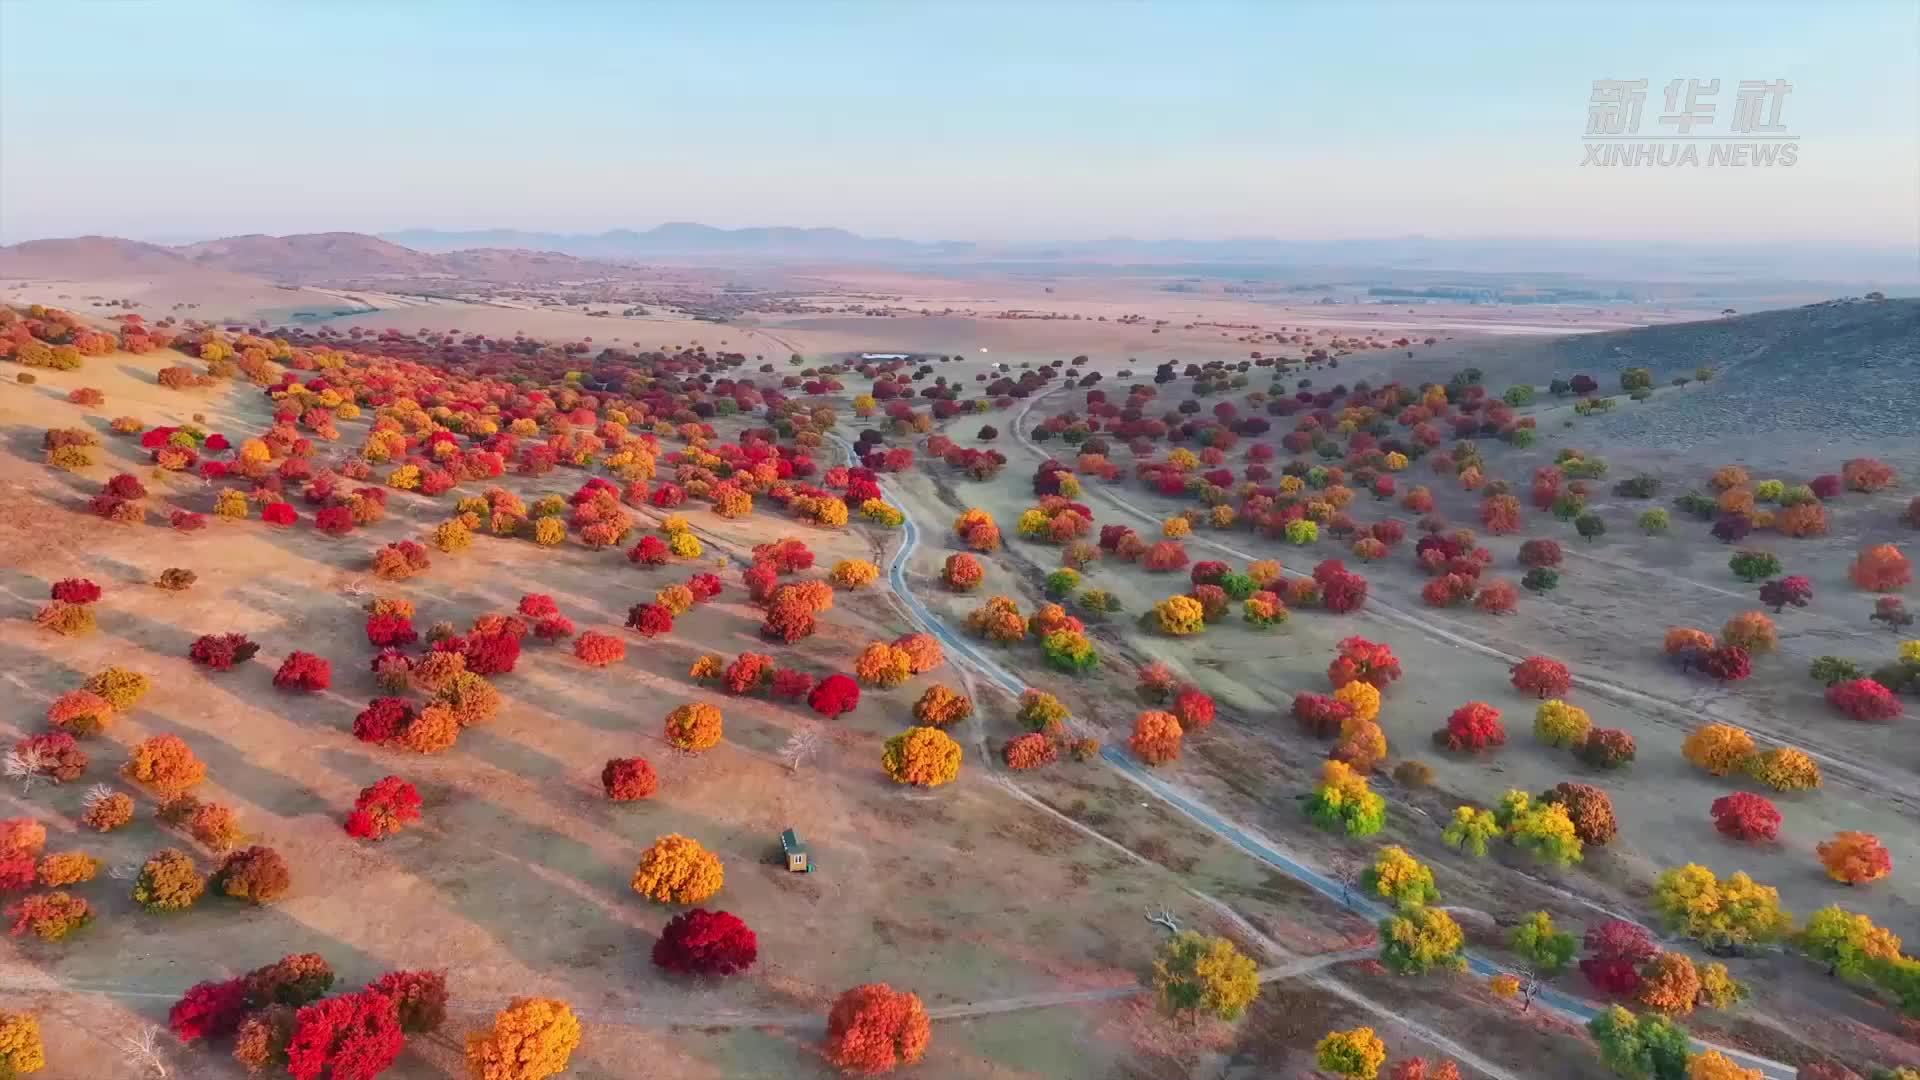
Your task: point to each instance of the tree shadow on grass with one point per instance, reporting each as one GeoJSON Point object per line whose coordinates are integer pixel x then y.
{"type": "Point", "coordinates": [22, 594]}
{"type": "Point", "coordinates": [28, 445]}
{"type": "Point", "coordinates": [33, 680]}
{"type": "Point", "coordinates": [511, 755]}
{"type": "Point", "coordinates": [561, 907]}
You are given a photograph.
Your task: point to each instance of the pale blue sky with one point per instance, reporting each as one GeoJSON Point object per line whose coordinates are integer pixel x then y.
{"type": "Point", "coordinates": [1036, 120]}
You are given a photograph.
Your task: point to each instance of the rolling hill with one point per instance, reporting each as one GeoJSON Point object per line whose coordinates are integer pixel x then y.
{"type": "Point", "coordinates": [303, 258]}
{"type": "Point", "coordinates": [1835, 373]}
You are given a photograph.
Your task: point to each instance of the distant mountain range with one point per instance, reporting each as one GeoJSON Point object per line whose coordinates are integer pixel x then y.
{"type": "Point", "coordinates": [300, 258]}
{"type": "Point", "coordinates": [686, 238]}
{"type": "Point", "coordinates": [1675, 261]}
{"type": "Point", "coordinates": [506, 255]}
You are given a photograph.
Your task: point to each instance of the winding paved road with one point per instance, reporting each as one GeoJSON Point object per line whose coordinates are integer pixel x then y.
{"type": "Point", "coordinates": [959, 645]}
{"type": "Point", "coordinates": [1878, 784]}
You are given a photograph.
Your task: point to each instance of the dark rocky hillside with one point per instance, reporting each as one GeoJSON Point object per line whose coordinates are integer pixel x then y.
{"type": "Point", "coordinates": [1832, 372]}
{"type": "Point", "coordinates": [1828, 377]}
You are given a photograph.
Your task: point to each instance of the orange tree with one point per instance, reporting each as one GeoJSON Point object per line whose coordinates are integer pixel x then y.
{"type": "Point", "coordinates": [1752, 631]}
{"type": "Point", "coordinates": [1156, 737]}
{"type": "Point", "coordinates": [694, 726]}
{"type": "Point", "coordinates": [1669, 984]}
{"type": "Point", "coordinates": [941, 706]}
{"type": "Point", "coordinates": [678, 870]}
{"type": "Point", "coordinates": [166, 764]}
{"type": "Point", "coordinates": [531, 1039]}
{"type": "Point", "coordinates": [1683, 640]}
{"type": "Point", "coordinates": [1854, 858]}
{"type": "Point", "coordinates": [1719, 749]}
{"type": "Point", "coordinates": [883, 665]}
{"type": "Point", "coordinates": [961, 572]}
{"type": "Point", "coordinates": [923, 652]}
{"type": "Point", "coordinates": [1881, 568]}
{"type": "Point", "coordinates": [998, 620]}
{"type": "Point", "coordinates": [874, 1029]}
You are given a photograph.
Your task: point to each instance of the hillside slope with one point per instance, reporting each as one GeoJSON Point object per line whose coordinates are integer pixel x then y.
{"type": "Point", "coordinates": [89, 256]}
{"type": "Point", "coordinates": [1819, 377]}
{"type": "Point", "coordinates": [336, 258]}
{"type": "Point", "coordinates": [1824, 376]}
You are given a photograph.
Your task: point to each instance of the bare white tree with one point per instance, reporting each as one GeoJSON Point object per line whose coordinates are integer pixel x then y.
{"type": "Point", "coordinates": [29, 766]}
{"type": "Point", "coordinates": [1529, 986]}
{"type": "Point", "coordinates": [1346, 871]}
{"type": "Point", "coordinates": [801, 745]}
{"type": "Point", "coordinates": [1164, 917]}
{"type": "Point", "coordinates": [143, 1055]}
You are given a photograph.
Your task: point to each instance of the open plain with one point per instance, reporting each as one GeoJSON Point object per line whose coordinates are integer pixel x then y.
{"type": "Point", "coordinates": [1014, 900]}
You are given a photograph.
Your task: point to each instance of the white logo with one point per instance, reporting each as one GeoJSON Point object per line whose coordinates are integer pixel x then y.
{"type": "Point", "coordinates": [1754, 133]}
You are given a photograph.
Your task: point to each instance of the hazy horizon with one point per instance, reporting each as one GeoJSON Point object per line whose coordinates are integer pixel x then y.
{"type": "Point", "coordinates": [993, 124]}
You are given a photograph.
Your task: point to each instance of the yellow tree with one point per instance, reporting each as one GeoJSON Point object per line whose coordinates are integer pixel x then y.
{"type": "Point", "coordinates": [1420, 939]}
{"type": "Point", "coordinates": [1362, 698]}
{"type": "Point", "coordinates": [1557, 723]}
{"type": "Point", "coordinates": [1195, 973]}
{"type": "Point", "coordinates": [1180, 616]}
{"type": "Point", "coordinates": [20, 1048]}
{"type": "Point", "coordinates": [1737, 911]}
{"type": "Point", "coordinates": [1470, 830]}
{"type": "Point", "coordinates": [1846, 941]}
{"type": "Point", "coordinates": [1713, 1065]}
{"type": "Point", "coordinates": [1548, 832]}
{"type": "Point", "coordinates": [1401, 878]}
{"type": "Point", "coordinates": [854, 573]}
{"type": "Point", "coordinates": [1783, 768]}
{"type": "Point", "coordinates": [923, 756]}
{"type": "Point", "coordinates": [1354, 1054]}
{"type": "Point", "coordinates": [1719, 989]}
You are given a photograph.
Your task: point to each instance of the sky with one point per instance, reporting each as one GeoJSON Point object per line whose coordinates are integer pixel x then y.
{"type": "Point", "coordinates": [984, 121]}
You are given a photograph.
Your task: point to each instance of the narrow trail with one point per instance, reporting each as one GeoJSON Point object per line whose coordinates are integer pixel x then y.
{"type": "Point", "coordinates": [1658, 709]}
{"type": "Point", "coordinates": [1265, 851]}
